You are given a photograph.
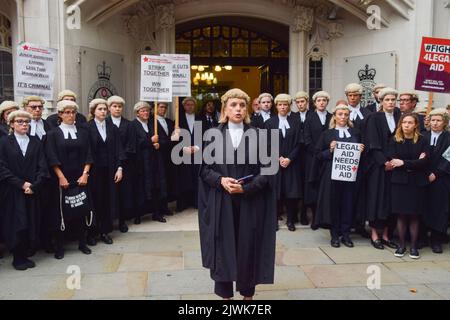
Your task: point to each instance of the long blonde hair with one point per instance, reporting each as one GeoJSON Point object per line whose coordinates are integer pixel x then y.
{"type": "Point", "coordinates": [399, 136]}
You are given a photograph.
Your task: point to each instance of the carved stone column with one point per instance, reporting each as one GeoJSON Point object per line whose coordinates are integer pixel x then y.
{"type": "Point", "coordinates": [165, 27]}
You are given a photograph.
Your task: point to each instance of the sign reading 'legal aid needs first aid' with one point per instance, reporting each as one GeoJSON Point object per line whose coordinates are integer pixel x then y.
{"type": "Point", "coordinates": [433, 73]}
{"type": "Point", "coordinates": [346, 157]}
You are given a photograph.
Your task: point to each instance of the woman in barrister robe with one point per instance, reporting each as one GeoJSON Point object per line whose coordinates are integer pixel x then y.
{"type": "Point", "coordinates": [438, 171]}
{"type": "Point", "coordinates": [69, 156]}
{"type": "Point", "coordinates": [6, 107]}
{"type": "Point", "coordinates": [410, 155]}
{"type": "Point", "coordinates": [381, 128]}
{"type": "Point", "coordinates": [143, 158]}
{"type": "Point", "coordinates": [336, 199]}
{"type": "Point", "coordinates": [127, 196]}
{"type": "Point", "coordinates": [23, 170]}
{"type": "Point", "coordinates": [54, 120]}
{"type": "Point", "coordinates": [315, 124]}
{"type": "Point", "coordinates": [107, 171]}
{"type": "Point", "coordinates": [237, 218]}
{"type": "Point", "coordinates": [288, 186]}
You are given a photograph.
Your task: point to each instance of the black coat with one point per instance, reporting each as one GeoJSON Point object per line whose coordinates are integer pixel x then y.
{"type": "Point", "coordinates": [4, 129]}
{"type": "Point", "coordinates": [258, 121]}
{"type": "Point", "coordinates": [328, 193]}
{"type": "Point", "coordinates": [378, 181]}
{"type": "Point", "coordinates": [373, 107]}
{"type": "Point", "coordinates": [127, 185]}
{"type": "Point", "coordinates": [71, 156]}
{"type": "Point", "coordinates": [205, 123]}
{"type": "Point", "coordinates": [361, 124]}
{"type": "Point", "coordinates": [287, 179]}
{"type": "Point", "coordinates": [115, 156]}
{"type": "Point", "coordinates": [437, 193]}
{"type": "Point", "coordinates": [20, 212]}
{"type": "Point", "coordinates": [313, 130]}
{"type": "Point", "coordinates": [253, 261]}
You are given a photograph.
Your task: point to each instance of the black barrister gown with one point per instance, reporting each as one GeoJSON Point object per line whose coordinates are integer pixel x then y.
{"type": "Point", "coordinates": [107, 155]}
{"type": "Point", "coordinates": [287, 182]}
{"type": "Point", "coordinates": [378, 194]}
{"type": "Point", "coordinates": [251, 260]}
{"type": "Point", "coordinates": [71, 156]}
{"type": "Point", "coordinates": [126, 186]}
{"type": "Point", "coordinates": [409, 181]}
{"type": "Point", "coordinates": [4, 129]}
{"type": "Point", "coordinates": [21, 212]}
{"type": "Point", "coordinates": [313, 130]}
{"type": "Point", "coordinates": [258, 120]}
{"type": "Point", "coordinates": [328, 193]}
{"type": "Point", "coordinates": [187, 174]}
{"type": "Point", "coordinates": [436, 212]}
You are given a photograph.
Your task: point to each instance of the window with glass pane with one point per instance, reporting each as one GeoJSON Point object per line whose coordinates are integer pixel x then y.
{"type": "Point", "coordinates": [6, 76]}
{"type": "Point", "coordinates": [315, 76]}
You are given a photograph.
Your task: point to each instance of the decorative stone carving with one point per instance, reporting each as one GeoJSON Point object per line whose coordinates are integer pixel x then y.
{"type": "Point", "coordinates": [166, 16]}
{"type": "Point", "coordinates": [315, 47]}
{"type": "Point", "coordinates": [303, 19]}
{"type": "Point", "coordinates": [335, 30]}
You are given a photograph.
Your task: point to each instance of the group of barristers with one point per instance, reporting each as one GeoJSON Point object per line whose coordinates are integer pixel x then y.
{"type": "Point", "coordinates": [403, 181]}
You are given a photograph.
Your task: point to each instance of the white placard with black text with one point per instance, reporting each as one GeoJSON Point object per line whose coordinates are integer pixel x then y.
{"type": "Point", "coordinates": [181, 64]}
{"type": "Point", "coordinates": [156, 78]}
{"type": "Point", "coordinates": [346, 158]}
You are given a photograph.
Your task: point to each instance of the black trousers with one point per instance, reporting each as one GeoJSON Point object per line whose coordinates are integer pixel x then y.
{"type": "Point", "coordinates": [159, 204]}
{"type": "Point", "coordinates": [342, 221]}
{"type": "Point", "coordinates": [101, 201]}
{"type": "Point", "coordinates": [291, 208]}
{"type": "Point", "coordinates": [225, 290]}
{"type": "Point", "coordinates": [20, 250]}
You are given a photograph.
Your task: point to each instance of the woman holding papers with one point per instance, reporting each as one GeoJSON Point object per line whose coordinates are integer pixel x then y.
{"type": "Point", "coordinates": [237, 216]}
{"type": "Point", "coordinates": [336, 199]}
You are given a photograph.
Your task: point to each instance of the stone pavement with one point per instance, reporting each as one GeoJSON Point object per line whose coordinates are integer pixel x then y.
{"type": "Point", "coordinates": [162, 261]}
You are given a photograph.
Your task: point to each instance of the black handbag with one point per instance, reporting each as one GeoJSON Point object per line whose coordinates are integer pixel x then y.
{"type": "Point", "coordinates": [74, 203]}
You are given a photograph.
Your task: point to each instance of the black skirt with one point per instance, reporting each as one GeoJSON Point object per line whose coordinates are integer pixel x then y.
{"type": "Point", "coordinates": [407, 199]}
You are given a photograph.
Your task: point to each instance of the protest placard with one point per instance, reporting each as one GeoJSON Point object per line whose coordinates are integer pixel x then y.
{"type": "Point", "coordinates": [346, 159]}
{"type": "Point", "coordinates": [156, 78]}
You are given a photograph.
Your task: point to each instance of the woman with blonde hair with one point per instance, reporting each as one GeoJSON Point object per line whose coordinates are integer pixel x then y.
{"type": "Point", "coordinates": [409, 153]}
{"type": "Point", "coordinates": [6, 107]}
{"type": "Point", "coordinates": [237, 216]}
{"type": "Point", "coordinates": [336, 199]}
{"type": "Point", "coordinates": [438, 172]}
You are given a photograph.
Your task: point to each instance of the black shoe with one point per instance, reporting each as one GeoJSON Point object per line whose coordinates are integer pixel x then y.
{"type": "Point", "coordinates": [377, 244]}
{"type": "Point", "coordinates": [314, 226]}
{"type": "Point", "coordinates": [137, 220]}
{"type": "Point", "coordinates": [30, 263]}
{"type": "Point", "coordinates": [123, 227]}
{"type": "Point", "coordinates": [30, 253]}
{"type": "Point", "coordinates": [168, 213]}
{"type": "Point", "coordinates": [335, 243]}
{"type": "Point", "coordinates": [400, 252]}
{"type": "Point", "coordinates": [20, 265]}
{"type": "Point", "coordinates": [106, 239]}
{"type": "Point", "coordinates": [291, 227]}
{"type": "Point", "coordinates": [91, 241]}
{"type": "Point", "coordinates": [84, 248]}
{"type": "Point", "coordinates": [59, 254]}
{"type": "Point", "coordinates": [390, 244]}
{"type": "Point", "coordinates": [346, 241]}
{"type": "Point", "coordinates": [437, 248]}
{"type": "Point", "coordinates": [304, 221]}
{"type": "Point", "coordinates": [414, 253]}
{"type": "Point", "coordinates": [159, 219]}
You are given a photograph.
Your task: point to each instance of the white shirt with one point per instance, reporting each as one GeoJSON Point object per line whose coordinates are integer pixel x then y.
{"type": "Point", "coordinates": [356, 113]}
{"type": "Point", "coordinates": [236, 132]}
{"type": "Point", "coordinates": [37, 128]}
{"type": "Point", "coordinates": [283, 124]}
{"type": "Point", "coordinates": [322, 116]}
{"type": "Point", "coordinates": [22, 140]}
{"type": "Point", "coordinates": [303, 116]}
{"type": "Point", "coordinates": [343, 132]}
{"type": "Point", "coordinates": [68, 129]}
{"type": "Point", "coordinates": [144, 124]}
{"type": "Point", "coordinates": [265, 115]}
{"type": "Point", "coordinates": [101, 127]}
{"type": "Point", "coordinates": [190, 118]}
{"type": "Point", "coordinates": [434, 138]}
{"type": "Point", "coordinates": [162, 121]}
{"type": "Point", "coordinates": [116, 121]}
{"type": "Point", "coordinates": [391, 121]}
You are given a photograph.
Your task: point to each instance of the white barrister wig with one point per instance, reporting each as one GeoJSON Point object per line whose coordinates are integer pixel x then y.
{"type": "Point", "coordinates": [379, 86]}
{"type": "Point", "coordinates": [94, 103]}
{"type": "Point", "coordinates": [18, 114]}
{"type": "Point", "coordinates": [265, 95]}
{"type": "Point", "coordinates": [66, 104]}
{"type": "Point", "coordinates": [321, 94]}
{"type": "Point", "coordinates": [7, 105]}
{"type": "Point", "coordinates": [282, 97]}
{"type": "Point", "coordinates": [141, 105]}
{"type": "Point", "coordinates": [302, 95]}
{"type": "Point", "coordinates": [117, 100]}
{"type": "Point", "coordinates": [439, 112]}
{"type": "Point", "coordinates": [66, 93]}
{"type": "Point", "coordinates": [354, 88]}
{"type": "Point", "coordinates": [187, 99]}
{"type": "Point", "coordinates": [387, 91]}
{"type": "Point", "coordinates": [341, 107]}
{"type": "Point", "coordinates": [28, 99]}
{"type": "Point", "coordinates": [413, 94]}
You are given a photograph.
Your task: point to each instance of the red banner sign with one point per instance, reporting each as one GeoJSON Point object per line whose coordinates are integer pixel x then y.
{"type": "Point", "coordinates": [433, 73]}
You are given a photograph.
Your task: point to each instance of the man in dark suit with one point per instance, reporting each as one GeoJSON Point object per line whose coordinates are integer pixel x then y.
{"type": "Point", "coordinates": [266, 110]}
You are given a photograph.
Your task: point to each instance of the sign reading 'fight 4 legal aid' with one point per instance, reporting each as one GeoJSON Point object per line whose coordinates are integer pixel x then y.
{"type": "Point", "coordinates": [433, 73]}
{"type": "Point", "coordinates": [156, 78]}
{"type": "Point", "coordinates": [346, 158]}
{"type": "Point", "coordinates": [35, 71]}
